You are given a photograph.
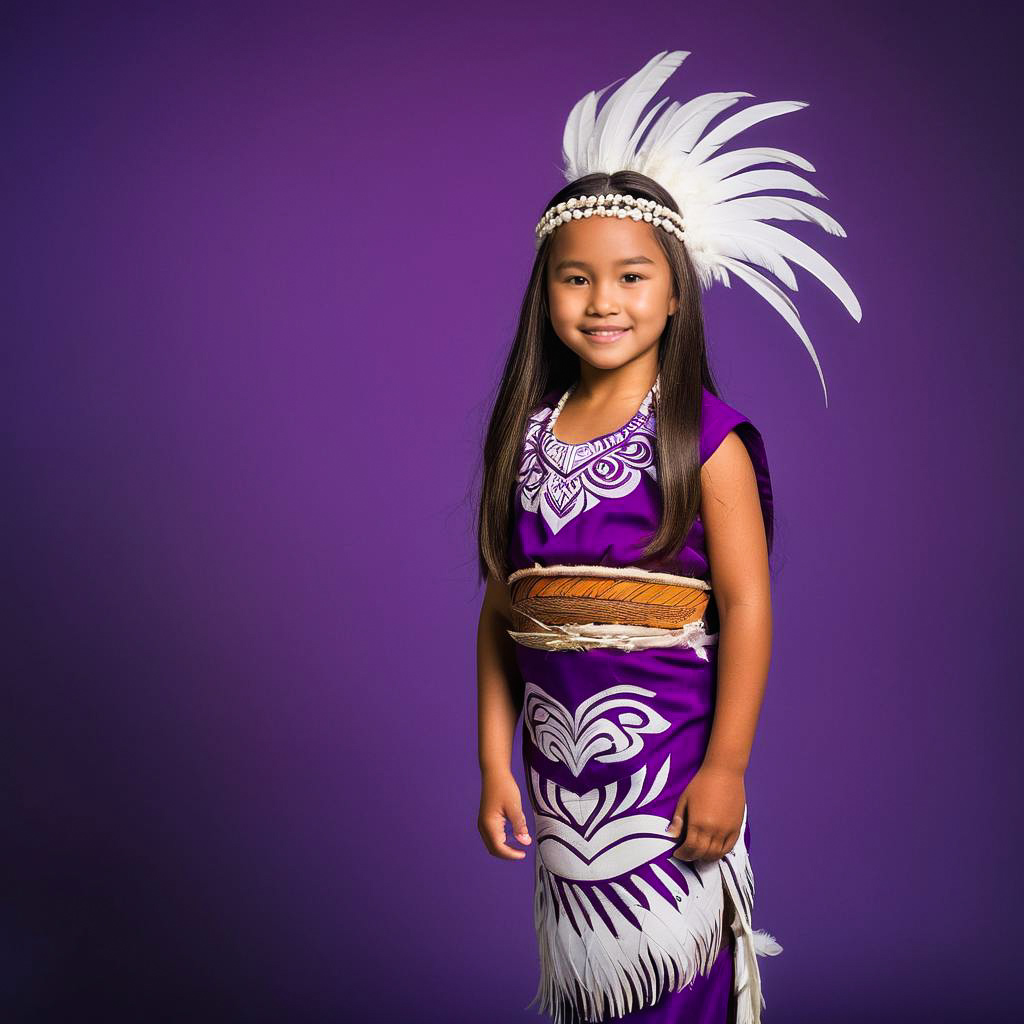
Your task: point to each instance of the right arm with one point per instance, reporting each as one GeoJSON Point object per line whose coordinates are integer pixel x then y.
{"type": "Point", "coordinates": [499, 703]}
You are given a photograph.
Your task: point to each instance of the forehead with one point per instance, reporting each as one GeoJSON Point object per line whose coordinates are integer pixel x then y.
{"type": "Point", "coordinates": [604, 241]}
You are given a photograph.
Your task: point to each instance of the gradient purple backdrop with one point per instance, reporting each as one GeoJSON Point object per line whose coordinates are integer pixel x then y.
{"type": "Point", "coordinates": [261, 270]}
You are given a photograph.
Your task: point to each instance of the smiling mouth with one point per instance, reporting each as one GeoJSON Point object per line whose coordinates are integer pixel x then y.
{"type": "Point", "coordinates": [604, 332]}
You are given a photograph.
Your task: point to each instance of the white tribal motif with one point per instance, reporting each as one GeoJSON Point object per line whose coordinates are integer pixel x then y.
{"type": "Point", "coordinates": [611, 842]}
{"type": "Point", "coordinates": [609, 726]}
{"type": "Point", "coordinates": [560, 481]}
{"type": "Point", "coordinates": [619, 920]}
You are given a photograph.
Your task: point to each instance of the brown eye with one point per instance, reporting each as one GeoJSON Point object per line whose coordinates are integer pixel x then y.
{"type": "Point", "coordinates": [639, 277]}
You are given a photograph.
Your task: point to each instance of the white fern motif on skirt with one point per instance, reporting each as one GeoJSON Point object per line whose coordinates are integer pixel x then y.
{"type": "Point", "coordinates": [619, 920]}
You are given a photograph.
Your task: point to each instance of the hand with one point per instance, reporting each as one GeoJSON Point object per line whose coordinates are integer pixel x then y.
{"type": "Point", "coordinates": [711, 808]}
{"type": "Point", "coordinates": [501, 801]}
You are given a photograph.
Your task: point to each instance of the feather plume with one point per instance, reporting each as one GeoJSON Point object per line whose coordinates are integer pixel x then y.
{"type": "Point", "coordinates": [724, 222]}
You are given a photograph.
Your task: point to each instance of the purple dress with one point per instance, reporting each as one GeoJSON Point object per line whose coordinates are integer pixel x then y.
{"type": "Point", "coordinates": [611, 738]}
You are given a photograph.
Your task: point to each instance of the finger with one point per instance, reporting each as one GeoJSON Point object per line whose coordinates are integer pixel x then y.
{"type": "Point", "coordinates": [518, 822]}
{"type": "Point", "coordinates": [684, 847]}
{"type": "Point", "coordinates": [694, 845]}
{"type": "Point", "coordinates": [714, 850]}
{"type": "Point", "coordinates": [730, 841]}
{"type": "Point", "coordinates": [675, 826]}
{"type": "Point", "coordinates": [720, 845]}
{"type": "Point", "coordinates": [494, 839]}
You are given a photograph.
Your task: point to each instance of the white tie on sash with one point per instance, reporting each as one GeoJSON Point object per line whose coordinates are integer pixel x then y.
{"type": "Point", "coordinates": [625, 637]}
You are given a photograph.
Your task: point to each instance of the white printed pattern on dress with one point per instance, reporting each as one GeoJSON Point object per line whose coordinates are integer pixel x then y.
{"type": "Point", "coordinates": [609, 726]}
{"type": "Point", "coordinates": [560, 481]}
{"type": "Point", "coordinates": [598, 861]}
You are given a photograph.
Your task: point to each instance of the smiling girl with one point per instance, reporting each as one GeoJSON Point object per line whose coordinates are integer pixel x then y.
{"type": "Point", "coordinates": [624, 534]}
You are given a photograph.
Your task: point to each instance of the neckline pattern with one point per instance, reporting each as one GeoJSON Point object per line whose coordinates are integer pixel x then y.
{"type": "Point", "coordinates": [633, 421]}
{"type": "Point", "coordinates": [559, 481]}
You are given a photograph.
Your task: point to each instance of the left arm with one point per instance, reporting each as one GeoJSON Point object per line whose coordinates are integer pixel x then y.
{"type": "Point", "coordinates": [712, 804]}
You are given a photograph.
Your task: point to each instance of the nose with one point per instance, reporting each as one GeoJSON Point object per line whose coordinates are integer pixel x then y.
{"type": "Point", "coordinates": [602, 303]}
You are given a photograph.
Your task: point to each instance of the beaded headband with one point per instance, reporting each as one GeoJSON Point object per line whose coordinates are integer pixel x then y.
{"type": "Point", "coordinates": [725, 230]}
{"type": "Point", "coordinates": [617, 205]}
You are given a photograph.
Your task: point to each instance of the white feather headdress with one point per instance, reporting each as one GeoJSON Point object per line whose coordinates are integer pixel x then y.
{"type": "Point", "coordinates": [724, 227]}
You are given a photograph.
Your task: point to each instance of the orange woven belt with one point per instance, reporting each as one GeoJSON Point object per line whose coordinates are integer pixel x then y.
{"type": "Point", "coordinates": [555, 601]}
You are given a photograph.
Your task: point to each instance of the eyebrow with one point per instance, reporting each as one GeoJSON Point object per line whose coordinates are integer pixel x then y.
{"type": "Point", "coordinates": [565, 264]}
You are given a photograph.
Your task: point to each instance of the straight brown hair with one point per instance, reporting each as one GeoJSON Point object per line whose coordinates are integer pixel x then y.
{"type": "Point", "coordinates": [539, 361]}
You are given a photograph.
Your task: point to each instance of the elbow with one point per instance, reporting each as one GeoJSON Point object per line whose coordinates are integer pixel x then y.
{"type": "Point", "coordinates": [746, 606]}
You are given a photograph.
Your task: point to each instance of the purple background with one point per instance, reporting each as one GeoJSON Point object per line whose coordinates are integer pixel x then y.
{"type": "Point", "coordinates": [261, 270]}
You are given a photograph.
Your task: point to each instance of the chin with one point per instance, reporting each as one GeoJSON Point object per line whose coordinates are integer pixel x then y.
{"type": "Point", "coordinates": [608, 360]}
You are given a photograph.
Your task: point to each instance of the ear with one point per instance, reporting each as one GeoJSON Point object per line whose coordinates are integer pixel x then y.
{"type": "Point", "coordinates": [673, 305]}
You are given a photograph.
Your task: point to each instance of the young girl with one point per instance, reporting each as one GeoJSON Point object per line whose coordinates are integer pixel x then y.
{"type": "Point", "coordinates": [624, 533]}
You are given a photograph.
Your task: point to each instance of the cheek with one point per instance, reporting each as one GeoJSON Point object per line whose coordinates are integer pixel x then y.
{"type": "Point", "coordinates": [563, 306]}
{"type": "Point", "coordinates": [650, 304]}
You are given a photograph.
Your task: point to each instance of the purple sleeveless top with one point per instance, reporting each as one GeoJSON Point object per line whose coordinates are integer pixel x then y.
{"type": "Point", "coordinates": [598, 503]}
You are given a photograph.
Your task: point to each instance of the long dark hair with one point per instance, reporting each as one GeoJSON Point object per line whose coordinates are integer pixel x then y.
{"type": "Point", "coordinates": [539, 361]}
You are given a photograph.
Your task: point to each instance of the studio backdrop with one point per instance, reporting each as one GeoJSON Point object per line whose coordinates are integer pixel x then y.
{"type": "Point", "coordinates": [262, 269]}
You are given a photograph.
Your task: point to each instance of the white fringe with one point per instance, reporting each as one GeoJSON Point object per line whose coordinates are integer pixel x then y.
{"type": "Point", "coordinates": [597, 973]}
{"type": "Point", "coordinates": [749, 946]}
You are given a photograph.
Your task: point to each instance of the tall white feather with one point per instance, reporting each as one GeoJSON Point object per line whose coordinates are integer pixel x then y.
{"type": "Point", "coordinates": [723, 221]}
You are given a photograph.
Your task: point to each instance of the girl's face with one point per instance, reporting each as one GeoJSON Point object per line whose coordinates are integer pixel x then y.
{"type": "Point", "coordinates": [609, 272]}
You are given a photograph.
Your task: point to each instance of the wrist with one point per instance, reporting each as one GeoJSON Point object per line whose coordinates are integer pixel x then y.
{"type": "Point", "coordinates": [725, 766]}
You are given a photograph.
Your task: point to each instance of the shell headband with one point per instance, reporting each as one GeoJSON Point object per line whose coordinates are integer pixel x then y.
{"type": "Point", "coordinates": [720, 223]}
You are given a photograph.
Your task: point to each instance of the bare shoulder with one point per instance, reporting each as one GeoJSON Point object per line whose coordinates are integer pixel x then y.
{"type": "Point", "coordinates": [734, 527]}
{"type": "Point", "coordinates": [729, 467]}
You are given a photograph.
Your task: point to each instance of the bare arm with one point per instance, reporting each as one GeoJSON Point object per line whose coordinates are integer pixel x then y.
{"type": "Point", "coordinates": [710, 811]}
{"type": "Point", "coordinates": [738, 554]}
{"type": "Point", "coordinates": [499, 688]}
{"type": "Point", "coordinates": [499, 703]}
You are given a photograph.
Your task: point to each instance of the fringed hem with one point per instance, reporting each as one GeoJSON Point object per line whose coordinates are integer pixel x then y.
{"type": "Point", "coordinates": [601, 975]}
{"type": "Point", "coordinates": [594, 973]}
{"type": "Point", "coordinates": [750, 945]}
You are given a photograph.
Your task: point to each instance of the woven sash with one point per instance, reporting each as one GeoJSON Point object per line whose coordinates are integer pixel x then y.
{"type": "Point", "coordinates": [561, 607]}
